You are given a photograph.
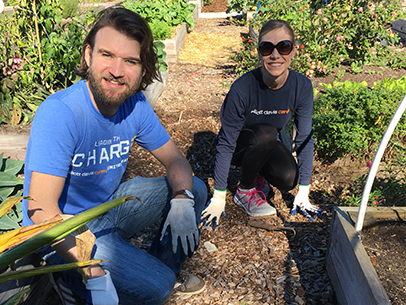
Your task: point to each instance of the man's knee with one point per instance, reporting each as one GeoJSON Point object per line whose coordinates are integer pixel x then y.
{"type": "Point", "coordinates": [150, 290]}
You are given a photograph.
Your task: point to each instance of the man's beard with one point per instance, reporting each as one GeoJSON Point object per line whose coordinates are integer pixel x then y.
{"type": "Point", "coordinates": [115, 99]}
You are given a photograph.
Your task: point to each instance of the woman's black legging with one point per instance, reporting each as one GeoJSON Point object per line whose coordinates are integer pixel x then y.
{"type": "Point", "coordinates": [259, 152]}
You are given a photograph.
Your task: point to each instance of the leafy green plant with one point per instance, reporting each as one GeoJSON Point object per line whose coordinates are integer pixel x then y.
{"type": "Point", "coordinates": [9, 182]}
{"type": "Point", "coordinates": [356, 68]}
{"type": "Point", "coordinates": [241, 6]}
{"type": "Point", "coordinates": [39, 57]}
{"type": "Point", "coordinates": [160, 51]}
{"type": "Point", "coordinates": [351, 119]}
{"type": "Point", "coordinates": [340, 74]}
{"type": "Point", "coordinates": [334, 34]}
{"type": "Point", "coordinates": [10, 185]}
{"type": "Point", "coordinates": [158, 12]}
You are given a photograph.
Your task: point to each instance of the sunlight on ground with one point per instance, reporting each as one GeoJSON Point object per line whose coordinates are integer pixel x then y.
{"type": "Point", "coordinates": [209, 49]}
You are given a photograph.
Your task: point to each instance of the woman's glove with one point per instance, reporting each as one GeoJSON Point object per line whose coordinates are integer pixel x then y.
{"type": "Point", "coordinates": [214, 209]}
{"type": "Point", "coordinates": [101, 291]}
{"type": "Point", "coordinates": [182, 220]}
{"type": "Point", "coordinates": [303, 205]}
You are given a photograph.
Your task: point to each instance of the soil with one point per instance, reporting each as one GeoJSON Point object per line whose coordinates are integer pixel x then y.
{"type": "Point", "coordinates": [250, 265]}
{"type": "Point", "coordinates": [385, 245]}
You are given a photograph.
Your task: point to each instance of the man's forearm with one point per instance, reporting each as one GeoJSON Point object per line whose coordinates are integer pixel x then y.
{"type": "Point", "coordinates": [180, 175]}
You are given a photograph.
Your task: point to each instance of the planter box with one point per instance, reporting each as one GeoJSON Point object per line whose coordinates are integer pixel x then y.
{"type": "Point", "coordinates": [153, 91]}
{"type": "Point", "coordinates": [350, 270]}
{"type": "Point", "coordinates": [173, 45]}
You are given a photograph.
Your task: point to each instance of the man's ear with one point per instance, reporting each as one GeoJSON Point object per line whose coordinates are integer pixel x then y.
{"type": "Point", "coordinates": [88, 55]}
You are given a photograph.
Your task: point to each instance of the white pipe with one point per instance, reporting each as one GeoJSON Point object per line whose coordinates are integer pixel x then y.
{"type": "Point", "coordinates": [374, 167]}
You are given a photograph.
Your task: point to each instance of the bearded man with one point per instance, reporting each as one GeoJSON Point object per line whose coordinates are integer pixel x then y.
{"type": "Point", "coordinates": [76, 157]}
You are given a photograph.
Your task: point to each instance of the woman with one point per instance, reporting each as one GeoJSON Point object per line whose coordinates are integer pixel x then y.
{"type": "Point", "coordinates": [255, 117]}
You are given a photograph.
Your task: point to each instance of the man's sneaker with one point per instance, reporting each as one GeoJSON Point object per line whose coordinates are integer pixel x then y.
{"type": "Point", "coordinates": [253, 203]}
{"type": "Point", "coordinates": [262, 185]}
{"type": "Point", "coordinates": [189, 284]}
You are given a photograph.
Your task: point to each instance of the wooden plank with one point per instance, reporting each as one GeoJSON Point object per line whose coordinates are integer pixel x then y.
{"type": "Point", "coordinates": [154, 90]}
{"type": "Point", "coordinates": [353, 277]}
{"type": "Point", "coordinates": [387, 213]}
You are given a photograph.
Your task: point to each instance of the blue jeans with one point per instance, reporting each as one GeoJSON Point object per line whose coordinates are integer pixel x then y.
{"type": "Point", "coordinates": [139, 277]}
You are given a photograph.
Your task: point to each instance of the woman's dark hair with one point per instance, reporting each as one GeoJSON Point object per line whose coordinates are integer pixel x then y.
{"type": "Point", "coordinates": [133, 26]}
{"type": "Point", "coordinates": [275, 24]}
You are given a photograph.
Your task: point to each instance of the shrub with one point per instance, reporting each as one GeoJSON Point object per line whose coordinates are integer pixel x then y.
{"type": "Point", "coordinates": [353, 121]}
{"type": "Point", "coordinates": [333, 34]}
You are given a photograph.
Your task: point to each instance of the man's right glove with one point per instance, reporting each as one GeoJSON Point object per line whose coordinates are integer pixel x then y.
{"type": "Point", "coordinates": [214, 209]}
{"type": "Point", "coordinates": [101, 291]}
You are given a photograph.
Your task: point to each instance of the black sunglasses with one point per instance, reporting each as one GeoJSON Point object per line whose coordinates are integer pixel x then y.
{"type": "Point", "coordinates": [284, 47]}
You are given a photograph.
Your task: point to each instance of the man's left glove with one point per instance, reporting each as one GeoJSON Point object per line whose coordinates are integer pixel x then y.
{"type": "Point", "coordinates": [182, 220]}
{"type": "Point", "coordinates": [303, 205]}
{"type": "Point", "coordinates": [101, 291]}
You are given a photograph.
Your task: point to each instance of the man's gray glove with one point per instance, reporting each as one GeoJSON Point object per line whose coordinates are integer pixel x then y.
{"type": "Point", "coordinates": [214, 208]}
{"type": "Point", "coordinates": [302, 204]}
{"type": "Point", "coordinates": [182, 221]}
{"type": "Point", "coordinates": [101, 290]}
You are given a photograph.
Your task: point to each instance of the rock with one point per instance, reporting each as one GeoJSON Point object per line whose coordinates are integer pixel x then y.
{"type": "Point", "coordinates": [210, 246]}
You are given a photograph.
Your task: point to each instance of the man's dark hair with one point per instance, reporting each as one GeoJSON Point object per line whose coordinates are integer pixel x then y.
{"type": "Point", "coordinates": [133, 26]}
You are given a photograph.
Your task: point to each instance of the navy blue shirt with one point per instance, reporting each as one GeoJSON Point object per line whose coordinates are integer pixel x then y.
{"type": "Point", "coordinates": [250, 101]}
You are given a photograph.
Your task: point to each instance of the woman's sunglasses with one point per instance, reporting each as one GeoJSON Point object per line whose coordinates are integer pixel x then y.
{"type": "Point", "coordinates": [284, 47]}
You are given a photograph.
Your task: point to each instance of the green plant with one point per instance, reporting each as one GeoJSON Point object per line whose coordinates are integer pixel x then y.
{"type": "Point", "coordinates": [333, 34]}
{"type": "Point", "coordinates": [246, 58]}
{"type": "Point", "coordinates": [39, 57]}
{"type": "Point", "coordinates": [340, 74]}
{"type": "Point", "coordinates": [21, 242]}
{"type": "Point", "coordinates": [70, 8]}
{"type": "Point", "coordinates": [241, 6]}
{"type": "Point", "coordinates": [10, 185]}
{"type": "Point", "coordinates": [356, 68]}
{"type": "Point", "coordinates": [9, 182]}
{"type": "Point", "coordinates": [160, 51]}
{"type": "Point", "coordinates": [390, 186]}
{"type": "Point", "coordinates": [350, 119]}
{"type": "Point", "coordinates": [158, 12]}
{"type": "Point", "coordinates": [351, 196]}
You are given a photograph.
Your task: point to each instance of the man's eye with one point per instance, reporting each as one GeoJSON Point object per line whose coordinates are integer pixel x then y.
{"type": "Point", "coordinates": [133, 62]}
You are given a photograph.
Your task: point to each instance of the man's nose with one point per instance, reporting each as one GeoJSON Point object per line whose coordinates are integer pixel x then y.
{"type": "Point", "coordinates": [117, 68]}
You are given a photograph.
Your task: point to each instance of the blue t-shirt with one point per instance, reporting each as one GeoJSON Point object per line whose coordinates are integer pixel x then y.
{"type": "Point", "coordinates": [250, 101]}
{"type": "Point", "coordinates": [70, 138]}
